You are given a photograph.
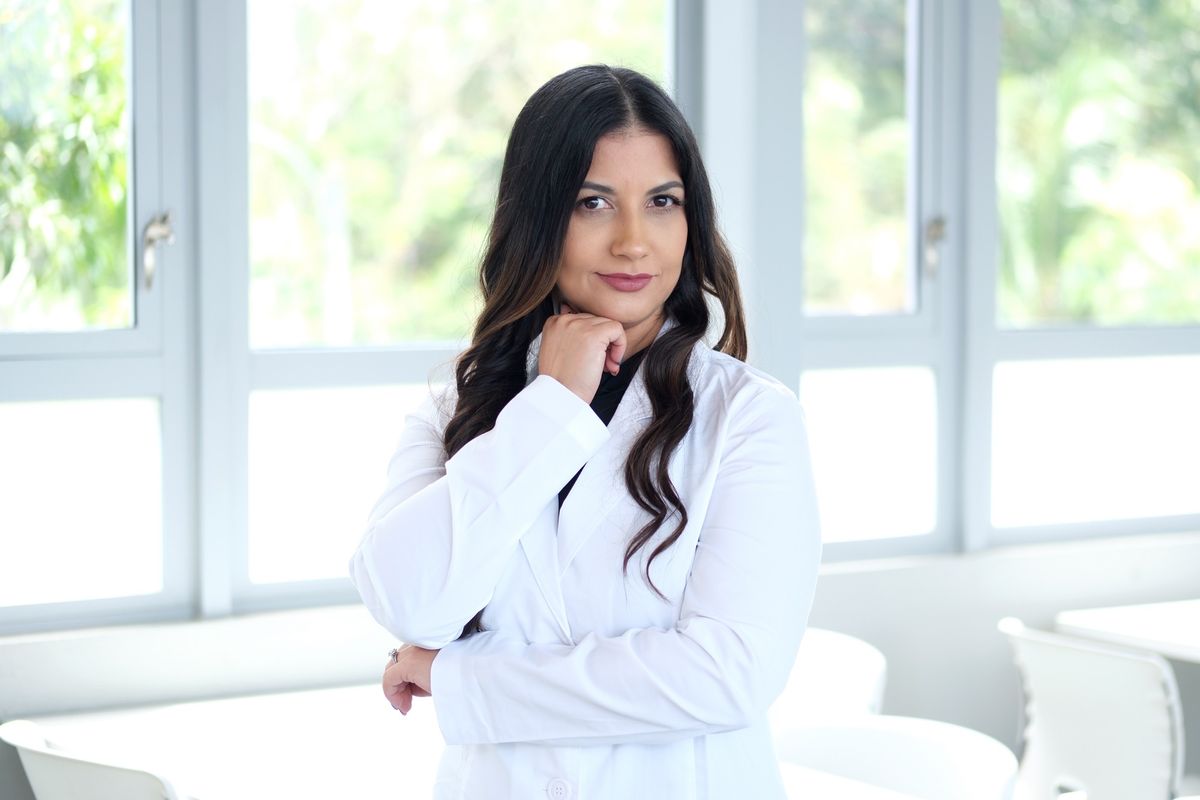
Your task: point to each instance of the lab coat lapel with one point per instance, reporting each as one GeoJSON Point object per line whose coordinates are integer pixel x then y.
{"type": "Point", "coordinates": [601, 484]}
{"type": "Point", "coordinates": [539, 542]}
{"type": "Point", "coordinates": [541, 552]}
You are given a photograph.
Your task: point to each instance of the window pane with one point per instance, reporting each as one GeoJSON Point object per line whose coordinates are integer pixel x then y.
{"type": "Point", "coordinates": [874, 447]}
{"type": "Point", "coordinates": [80, 500]}
{"type": "Point", "coordinates": [318, 460]}
{"type": "Point", "coordinates": [856, 140]}
{"type": "Point", "coordinates": [1098, 171]}
{"type": "Point", "coordinates": [377, 130]}
{"type": "Point", "coordinates": [64, 174]}
{"type": "Point", "coordinates": [1097, 439]}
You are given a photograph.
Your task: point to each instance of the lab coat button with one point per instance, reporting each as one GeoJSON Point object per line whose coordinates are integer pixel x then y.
{"type": "Point", "coordinates": [558, 789]}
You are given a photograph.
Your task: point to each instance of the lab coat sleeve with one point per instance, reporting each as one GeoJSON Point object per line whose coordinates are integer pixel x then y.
{"type": "Point", "coordinates": [745, 607]}
{"type": "Point", "coordinates": [439, 538]}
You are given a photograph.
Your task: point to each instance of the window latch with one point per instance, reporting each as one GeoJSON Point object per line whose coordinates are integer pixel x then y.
{"type": "Point", "coordinates": [935, 234]}
{"type": "Point", "coordinates": [157, 230]}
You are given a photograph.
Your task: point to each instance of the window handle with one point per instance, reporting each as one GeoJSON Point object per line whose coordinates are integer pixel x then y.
{"type": "Point", "coordinates": [157, 230]}
{"type": "Point", "coordinates": [935, 234]}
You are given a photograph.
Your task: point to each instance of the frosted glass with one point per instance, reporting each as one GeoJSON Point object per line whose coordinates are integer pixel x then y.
{"type": "Point", "coordinates": [80, 500]}
{"type": "Point", "coordinates": [1095, 439]}
{"type": "Point", "coordinates": [874, 448]}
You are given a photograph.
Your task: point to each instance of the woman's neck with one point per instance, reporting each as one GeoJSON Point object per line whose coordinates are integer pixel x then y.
{"type": "Point", "coordinates": [640, 336]}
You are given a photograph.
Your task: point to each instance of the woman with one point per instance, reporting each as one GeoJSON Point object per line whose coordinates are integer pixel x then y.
{"type": "Point", "coordinates": [602, 598]}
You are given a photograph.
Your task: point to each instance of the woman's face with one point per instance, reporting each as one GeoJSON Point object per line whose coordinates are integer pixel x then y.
{"type": "Point", "coordinates": [625, 242]}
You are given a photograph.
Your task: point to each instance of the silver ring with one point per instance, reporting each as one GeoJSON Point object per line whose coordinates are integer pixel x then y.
{"type": "Point", "coordinates": [394, 654]}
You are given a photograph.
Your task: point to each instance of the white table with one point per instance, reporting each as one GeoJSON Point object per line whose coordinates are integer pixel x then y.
{"type": "Point", "coordinates": [1169, 629]}
{"type": "Point", "coordinates": [327, 743]}
{"type": "Point", "coordinates": [804, 783]}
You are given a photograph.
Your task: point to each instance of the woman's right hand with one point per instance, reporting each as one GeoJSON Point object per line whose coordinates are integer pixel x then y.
{"type": "Point", "coordinates": [577, 346]}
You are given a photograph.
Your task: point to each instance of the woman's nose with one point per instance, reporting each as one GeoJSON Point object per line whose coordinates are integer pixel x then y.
{"type": "Point", "coordinates": [629, 240]}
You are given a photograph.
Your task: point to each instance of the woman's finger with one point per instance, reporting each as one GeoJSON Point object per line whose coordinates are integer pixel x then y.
{"type": "Point", "coordinates": [400, 697]}
{"type": "Point", "coordinates": [612, 359]}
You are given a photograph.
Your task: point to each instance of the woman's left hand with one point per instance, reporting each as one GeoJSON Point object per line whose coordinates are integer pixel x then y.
{"type": "Point", "coordinates": [408, 676]}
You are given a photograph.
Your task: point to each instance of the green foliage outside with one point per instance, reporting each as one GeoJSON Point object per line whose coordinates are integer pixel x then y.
{"type": "Point", "coordinates": [1098, 172]}
{"type": "Point", "coordinates": [63, 170]}
{"type": "Point", "coordinates": [1098, 165]}
{"type": "Point", "coordinates": [856, 141]}
{"type": "Point", "coordinates": [378, 128]}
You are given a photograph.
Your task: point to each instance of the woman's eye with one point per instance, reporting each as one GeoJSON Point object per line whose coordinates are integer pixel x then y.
{"type": "Point", "coordinates": [592, 203]}
{"type": "Point", "coordinates": [666, 201]}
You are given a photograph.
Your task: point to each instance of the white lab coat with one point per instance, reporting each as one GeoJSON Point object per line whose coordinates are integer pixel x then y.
{"type": "Point", "coordinates": [584, 683]}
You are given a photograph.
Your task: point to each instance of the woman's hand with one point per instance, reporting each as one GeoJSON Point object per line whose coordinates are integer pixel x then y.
{"type": "Point", "coordinates": [407, 676]}
{"type": "Point", "coordinates": [576, 347]}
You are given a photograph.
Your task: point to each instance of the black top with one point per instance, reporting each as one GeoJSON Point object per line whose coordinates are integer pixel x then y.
{"type": "Point", "coordinates": [608, 396]}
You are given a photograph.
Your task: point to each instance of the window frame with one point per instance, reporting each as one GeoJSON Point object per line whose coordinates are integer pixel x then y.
{"type": "Point", "coordinates": [150, 359]}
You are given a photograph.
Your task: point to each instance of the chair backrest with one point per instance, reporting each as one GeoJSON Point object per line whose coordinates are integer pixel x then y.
{"type": "Point", "coordinates": [1099, 719]}
{"type": "Point", "coordinates": [918, 757]}
{"type": "Point", "coordinates": [835, 676]}
{"type": "Point", "coordinates": [56, 775]}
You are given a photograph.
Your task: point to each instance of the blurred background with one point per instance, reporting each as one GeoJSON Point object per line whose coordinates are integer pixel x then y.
{"type": "Point", "coordinates": [969, 235]}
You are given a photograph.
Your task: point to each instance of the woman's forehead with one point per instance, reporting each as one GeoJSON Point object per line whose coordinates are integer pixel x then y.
{"type": "Point", "coordinates": [631, 159]}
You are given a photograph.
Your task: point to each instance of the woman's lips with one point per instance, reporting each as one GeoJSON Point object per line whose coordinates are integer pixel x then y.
{"type": "Point", "coordinates": [625, 283]}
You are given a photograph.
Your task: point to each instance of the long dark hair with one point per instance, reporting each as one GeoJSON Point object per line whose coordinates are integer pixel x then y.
{"type": "Point", "coordinates": [548, 156]}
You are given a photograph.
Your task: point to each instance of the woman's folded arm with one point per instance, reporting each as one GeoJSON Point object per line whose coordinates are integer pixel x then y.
{"type": "Point", "coordinates": [745, 607]}
{"type": "Point", "coordinates": [440, 537]}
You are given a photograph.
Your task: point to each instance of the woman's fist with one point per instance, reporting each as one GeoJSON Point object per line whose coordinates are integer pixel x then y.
{"type": "Point", "coordinates": [407, 676]}
{"type": "Point", "coordinates": [577, 347]}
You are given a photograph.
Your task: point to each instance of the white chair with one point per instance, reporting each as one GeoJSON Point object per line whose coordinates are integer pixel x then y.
{"type": "Point", "coordinates": [57, 775]}
{"type": "Point", "coordinates": [921, 758]}
{"type": "Point", "coordinates": [835, 676]}
{"type": "Point", "coordinates": [1101, 721]}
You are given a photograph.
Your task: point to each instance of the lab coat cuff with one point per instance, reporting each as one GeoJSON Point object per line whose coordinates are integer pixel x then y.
{"type": "Point", "coordinates": [455, 693]}
{"type": "Point", "coordinates": [566, 410]}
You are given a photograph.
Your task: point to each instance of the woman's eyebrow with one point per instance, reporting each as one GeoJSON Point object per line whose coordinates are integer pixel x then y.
{"type": "Point", "coordinates": [600, 187]}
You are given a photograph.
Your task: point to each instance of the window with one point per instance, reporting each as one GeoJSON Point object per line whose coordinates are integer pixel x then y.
{"type": "Point", "coordinates": [1084, 346]}
{"type": "Point", "coordinates": [967, 249]}
{"type": "Point", "coordinates": [965, 232]}
{"type": "Point", "coordinates": [875, 374]}
{"type": "Point", "coordinates": [94, 444]}
{"type": "Point", "coordinates": [868, 191]}
{"type": "Point", "coordinates": [344, 192]}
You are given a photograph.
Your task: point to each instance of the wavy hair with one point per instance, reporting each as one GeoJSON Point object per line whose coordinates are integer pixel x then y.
{"type": "Point", "coordinates": [547, 159]}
